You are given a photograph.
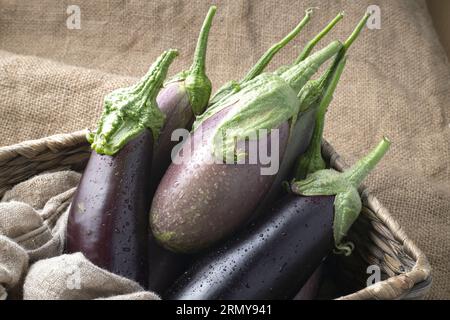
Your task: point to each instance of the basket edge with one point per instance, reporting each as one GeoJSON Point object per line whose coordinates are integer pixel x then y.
{"type": "Point", "coordinates": [400, 286]}
{"type": "Point", "coordinates": [30, 148]}
{"type": "Point", "coordinates": [393, 288]}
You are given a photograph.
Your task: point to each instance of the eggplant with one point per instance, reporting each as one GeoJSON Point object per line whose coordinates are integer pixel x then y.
{"type": "Point", "coordinates": [108, 216]}
{"type": "Point", "coordinates": [174, 100]}
{"type": "Point", "coordinates": [311, 287]}
{"type": "Point", "coordinates": [270, 260]}
{"type": "Point", "coordinates": [198, 202]}
{"type": "Point", "coordinates": [276, 256]}
{"type": "Point", "coordinates": [182, 97]}
{"type": "Point", "coordinates": [186, 95]}
{"type": "Point", "coordinates": [312, 161]}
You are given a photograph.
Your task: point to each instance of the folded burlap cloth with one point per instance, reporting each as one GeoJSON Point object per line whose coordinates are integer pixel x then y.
{"type": "Point", "coordinates": [396, 83]}
{"type": "Point", "coordinates": [33, 220]}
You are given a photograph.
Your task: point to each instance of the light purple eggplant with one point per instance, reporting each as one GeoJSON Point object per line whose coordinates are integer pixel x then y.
{"type": "Point", "coordinates": [199, 203]}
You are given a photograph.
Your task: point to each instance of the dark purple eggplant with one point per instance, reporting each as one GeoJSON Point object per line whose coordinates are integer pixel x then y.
{"type": "Point", "coordinates": [108, 218]}
{"type": "Point", "coordinates": [271, 260]}
{"type": "Point", "coordinates": [275, 257]}
{"type": "Point", "coordinates": [311, 287]}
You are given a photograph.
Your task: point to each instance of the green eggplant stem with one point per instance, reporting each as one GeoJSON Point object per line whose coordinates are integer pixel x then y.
{"type": "Point", "coordinates": [198, 65]}
{"type": "Point", "coordinates": [150, 84]}
{"type": "Point", "coordinates": [343, 186]}
{"type": "Point", "coordinates": [197, 84]}
{"type": "Point", "coordinates": [359, 171]}
{"type": "Point", "coordinates": [328, 96]}
{"type": "Point", "coordinates": [329, 80]}
{"type": "Point", "coordinates": [298, 75]}
{"type": "Point", "coordinates": [259, 67]}
{"type": "Point", "coordinates": [311, 44]}
{"type": "Point", "coordinates": [356, 32]}
{"type": "Point", "coordinates": [312, 161]}
{"type": "Point", "coordinates": [234, 86]}
{"type": "Point", "coordinates": [354, 35]}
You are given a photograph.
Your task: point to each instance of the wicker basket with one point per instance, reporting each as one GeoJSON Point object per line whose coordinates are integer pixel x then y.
{"type": "Point", "coordinates": [379, 240]}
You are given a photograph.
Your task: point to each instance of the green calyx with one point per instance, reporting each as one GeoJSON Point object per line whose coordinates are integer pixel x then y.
{"type": "Point", "coordinates": [312, 161]}
{"type": "Point", "coordinates": [227, 89]}
{"type": "Point", "coordinates": [311, 93]}
{"type": "Point", "coordinates": [234, 86]}
{"type": "Point", "coordinates": [298, 75]}
{"type": "Point", "coordinates": [129, 111]}
{"type": "Point", "coordinates": [347, 203]}
{"type": "Point", "coordinates": [196, 82]}
{"type": "Point", "coordinates": [320, 93]}
{"type": "Point", "coordinates": [264, 103]}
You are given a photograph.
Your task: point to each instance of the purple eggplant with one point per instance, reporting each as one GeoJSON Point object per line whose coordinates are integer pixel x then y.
{"type": "Point", "coordinates": [275, 257]}
{"type": "Point", "coordinates": [182, 98]}
{"type": "Point", "coordinates": [199, 203]}
{"type": "Point", "coordinates": [271, 260]}
{"type": "Point", "coordinates": [108, 220]}
{"type": "Point", "coordinates": [174, 100]}
{"type": "Point", "coordinates": [311, 287]}
{"type": "Point", "coordinates": [186, 95]}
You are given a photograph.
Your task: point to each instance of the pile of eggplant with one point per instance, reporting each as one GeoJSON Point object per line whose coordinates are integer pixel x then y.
{"type": "Point", "coordinates": [205, 218]}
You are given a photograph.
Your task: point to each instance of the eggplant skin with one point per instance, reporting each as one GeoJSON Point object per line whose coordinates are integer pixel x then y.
{"type": "Point", "coordinates": [199, 203]}
{"type": "Point", "coordinates": [173, 101]}
{"type": "Point", "coordinates": [108, 218]}
{"type": "Point", "coordinates": [165, 266]}
{"type": "Point", "coordinates": [310, 289]}
{"type": "Point", "coordinates": [272, 259]}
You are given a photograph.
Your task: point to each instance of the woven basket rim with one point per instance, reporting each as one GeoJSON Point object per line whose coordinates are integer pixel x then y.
{"type": "Point", "coordinates": [400, 285]}
{"type": "Point", "coordinates": [396, 287]}
{"type": "Point", "coordinates": [30, 148]}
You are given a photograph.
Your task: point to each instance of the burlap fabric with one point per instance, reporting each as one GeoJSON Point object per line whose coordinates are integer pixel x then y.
{"type": "Point", "coordinates": [396, 83]}
{"type": "Point", "coordinates": [33, 221]}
